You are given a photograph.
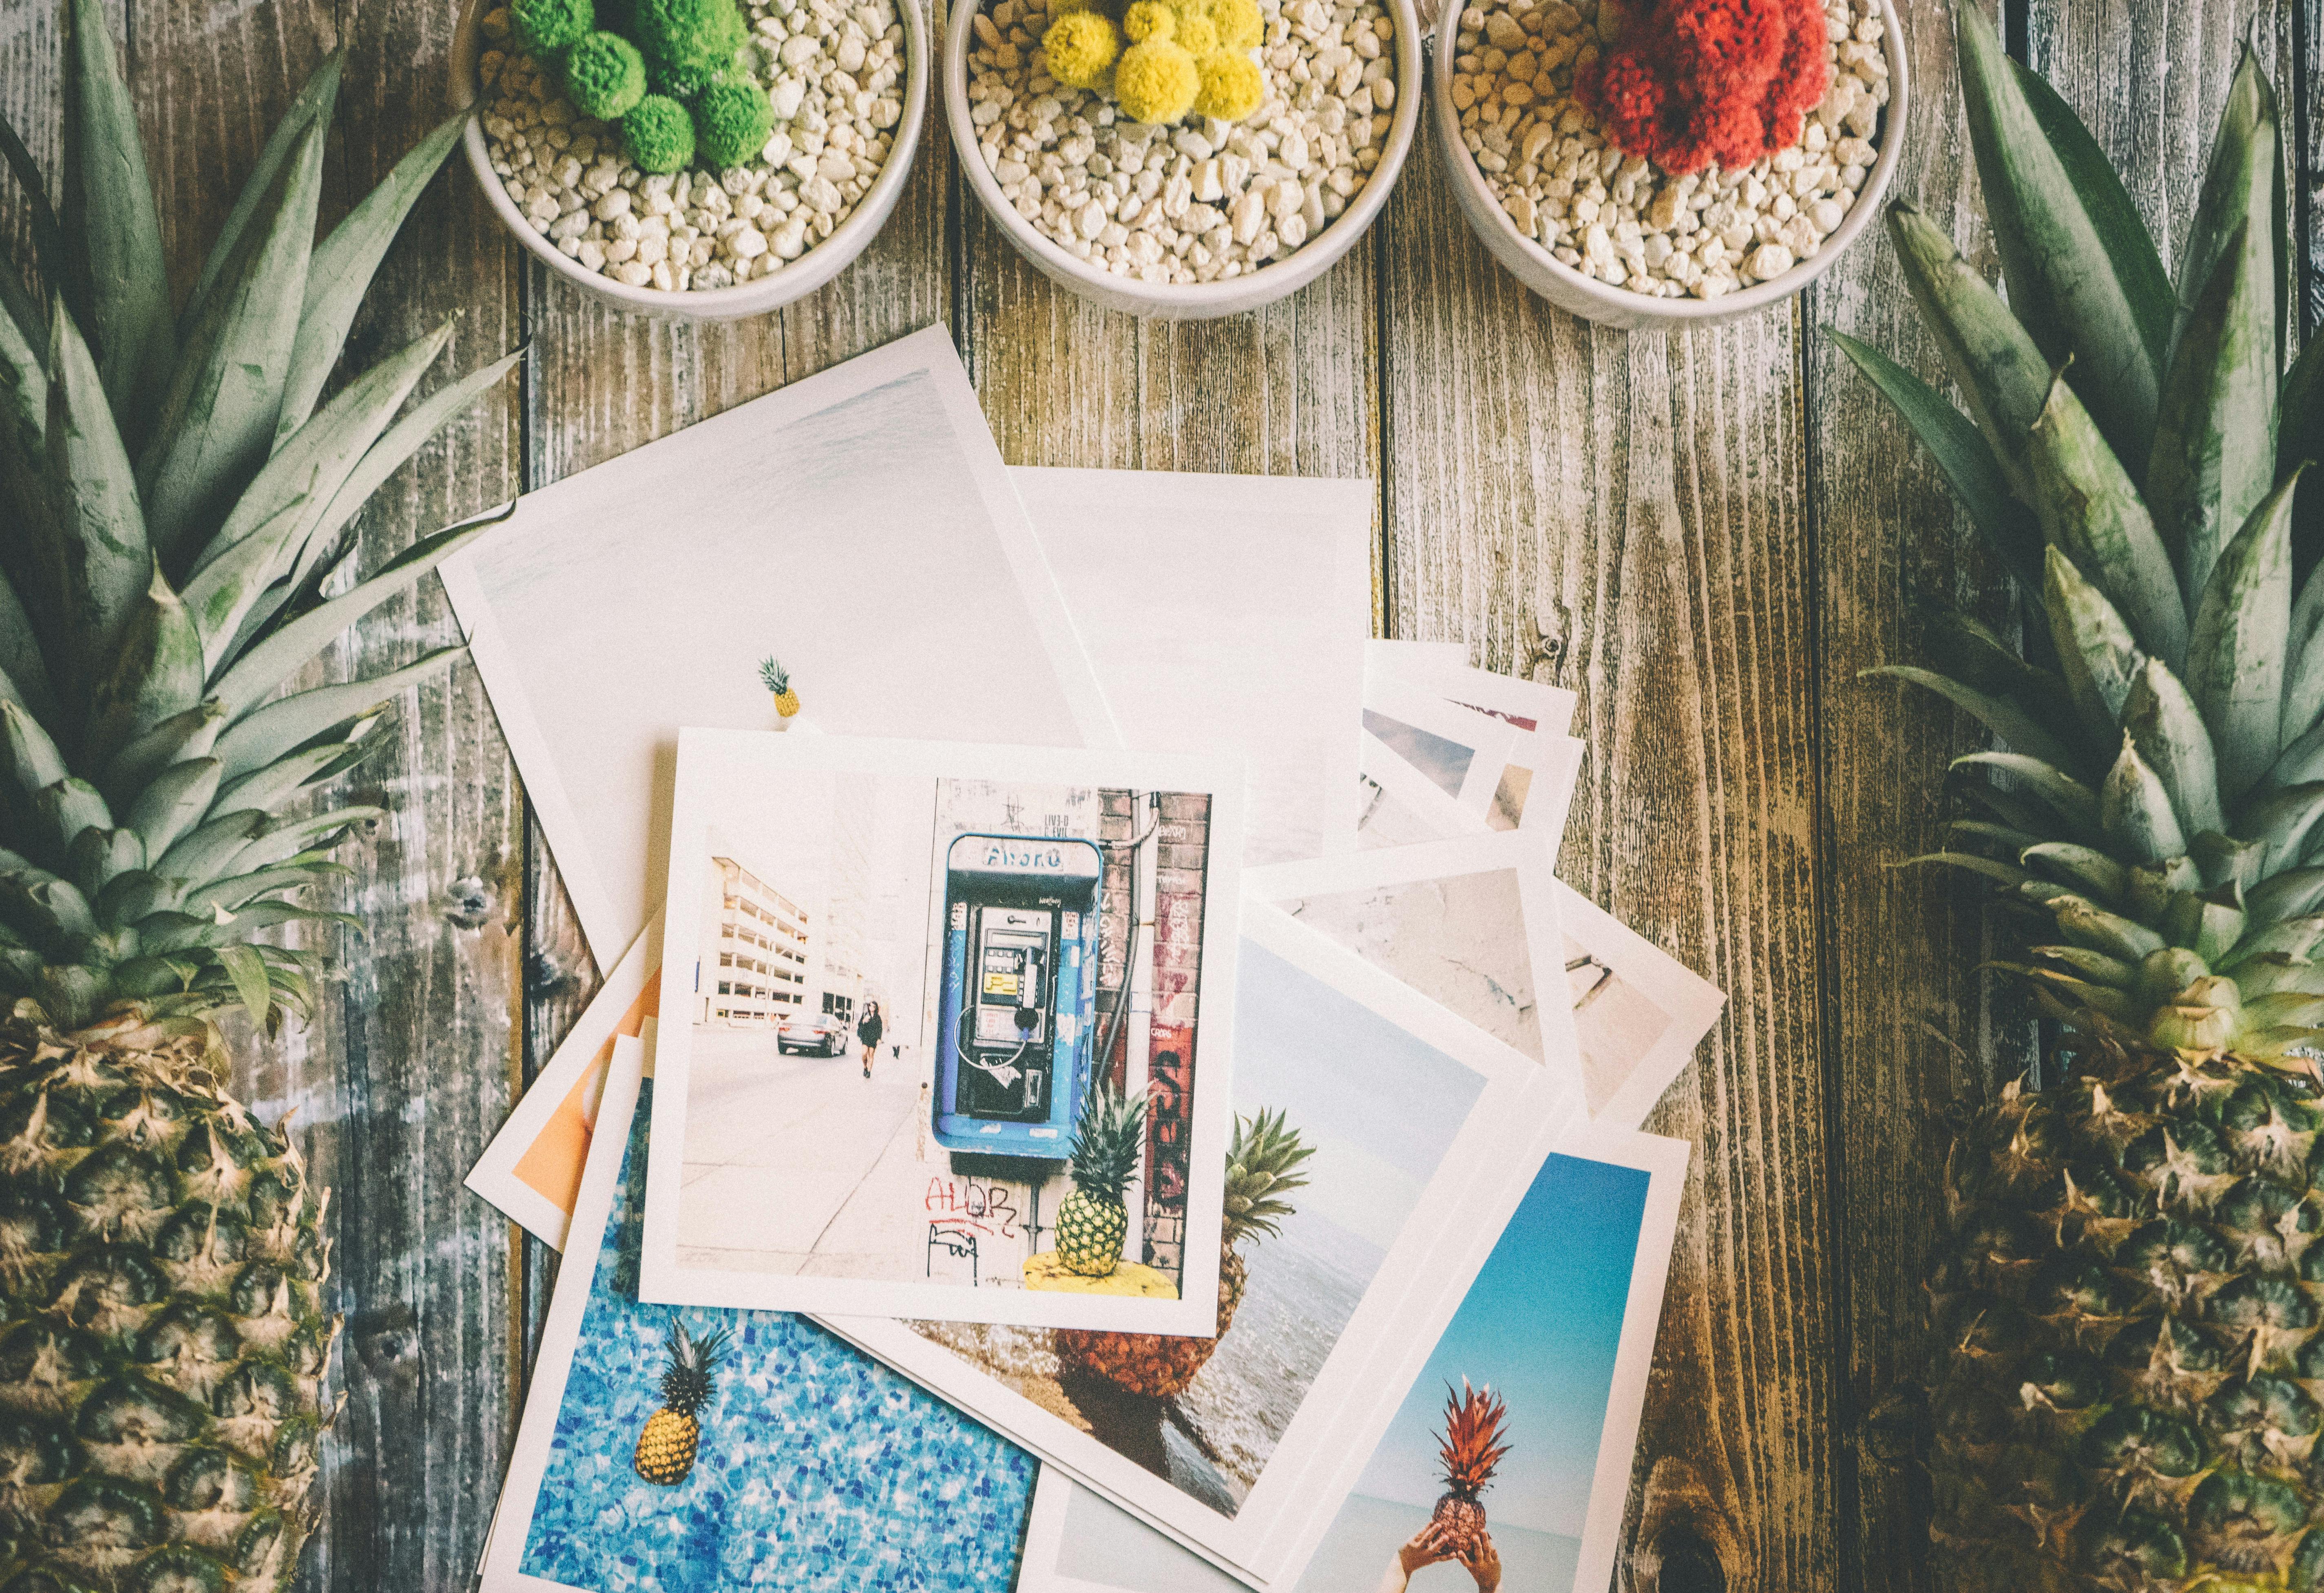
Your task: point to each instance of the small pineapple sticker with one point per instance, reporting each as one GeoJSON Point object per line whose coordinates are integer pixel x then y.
{"type": "Point", "coordinates": [1092, 1220]}
{"type": "Point", "coordinates": [666, 1448]}
{"type": "Point", "coordinates": [778, 681]}
{"type": "Point", "coordinates": [1475, 1434]}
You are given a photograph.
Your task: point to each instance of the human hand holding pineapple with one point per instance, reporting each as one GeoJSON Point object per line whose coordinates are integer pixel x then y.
{"type": "Point", "coordinates": [176, 501]}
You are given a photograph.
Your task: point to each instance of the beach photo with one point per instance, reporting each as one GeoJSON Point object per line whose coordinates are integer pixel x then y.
{"type": "Point", "coordinates": [941, 1022]}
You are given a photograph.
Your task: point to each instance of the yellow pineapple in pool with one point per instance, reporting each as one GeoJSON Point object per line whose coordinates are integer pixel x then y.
{"type": "Point", "coordinates": [778, 681]}
{"type": "Point", "coordinates": [666, 1448]}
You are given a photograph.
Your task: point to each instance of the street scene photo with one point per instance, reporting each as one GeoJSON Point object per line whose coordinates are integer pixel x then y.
{"type": "Point", "coordinates": [941, 1031]}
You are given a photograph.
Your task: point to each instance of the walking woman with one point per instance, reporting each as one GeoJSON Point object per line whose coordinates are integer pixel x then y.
{"type": "Point", "coordinates": [868, 1030]}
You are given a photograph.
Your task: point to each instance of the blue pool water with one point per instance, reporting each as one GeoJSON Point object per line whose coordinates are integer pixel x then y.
{"type": "Point", "coordinates": [818, 1467]}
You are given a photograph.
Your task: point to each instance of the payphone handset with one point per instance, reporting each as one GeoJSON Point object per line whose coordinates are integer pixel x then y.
{"type": "Point", "coordinates": [1019, 984]}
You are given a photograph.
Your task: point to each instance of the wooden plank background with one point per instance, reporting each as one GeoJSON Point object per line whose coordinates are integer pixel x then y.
{"type": "Point", "coordinates": [1706, 535]}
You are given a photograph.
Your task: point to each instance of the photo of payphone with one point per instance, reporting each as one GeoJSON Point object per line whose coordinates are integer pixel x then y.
{"type": "Point", "coordinates": [1015, 1021]}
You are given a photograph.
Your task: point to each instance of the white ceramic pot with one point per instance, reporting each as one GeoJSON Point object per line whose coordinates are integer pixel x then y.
{"type": "Point", "coordinates": [1202, 300]}
{"type": "Point", "coordinates": [1569, 289]}
{"type": "Point", "coordinates": [800, 277]}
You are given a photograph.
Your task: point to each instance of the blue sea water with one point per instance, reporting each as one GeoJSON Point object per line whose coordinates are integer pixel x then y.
{"type": "Point", "coordinates": [818, 1467]}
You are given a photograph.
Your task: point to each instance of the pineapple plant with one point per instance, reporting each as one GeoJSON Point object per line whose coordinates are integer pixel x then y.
{"type": "Point", "coordinates": [1092, 1220]}
{"type": "Point", "coordinates": [1263, 1164]}
{"type": "Point", "coordinates": [672, 1435]}
{"type": "Point", "coordinates": [2127, 1294]}
{"type": "Point", "coordinates": [777, 680]}
{"type": "Point", "coordinates": [177, 495]}
{"type": "Point", "coordinates": [1476, 1430]}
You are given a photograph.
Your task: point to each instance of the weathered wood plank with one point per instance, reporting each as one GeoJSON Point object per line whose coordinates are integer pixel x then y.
{"type": "Point", "coordinates": [1641, 497]}
{"type": "Point", "coordinates": [1912, 1028]}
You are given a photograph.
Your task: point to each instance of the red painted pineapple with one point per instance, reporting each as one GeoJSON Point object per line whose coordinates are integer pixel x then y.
{"type": "Point", "coordinates": [1476, 1424]}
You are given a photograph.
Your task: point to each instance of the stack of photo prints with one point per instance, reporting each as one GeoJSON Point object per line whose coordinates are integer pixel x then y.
{"type": "Point", "coordinates": [1097, 1084]}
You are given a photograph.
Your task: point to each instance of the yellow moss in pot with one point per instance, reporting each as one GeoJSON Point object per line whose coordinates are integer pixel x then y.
{"type": "Point", "coordinates": [1150, 19]}
{"type": "Point", "coordinates": [1195, 36]}
{"type": "Point", "coordinates": [1080, 46]}
{"type": "Point", "coordinates": [1156, 81]}
{"type": "Point", "coordinates": [1239, 22]}
{"type": "Point", "coordinates": [1231, 86]}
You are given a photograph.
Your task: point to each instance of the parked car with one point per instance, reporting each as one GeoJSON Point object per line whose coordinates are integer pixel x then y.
{"type": "Point", "coordinates": [819, 1033]}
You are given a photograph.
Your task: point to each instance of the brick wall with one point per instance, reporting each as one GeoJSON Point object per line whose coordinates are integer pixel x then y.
{"type": "Point", "coordinates": [1183, 838]}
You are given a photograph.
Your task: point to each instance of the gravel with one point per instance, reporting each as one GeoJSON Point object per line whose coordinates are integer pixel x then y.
{"type": "Point", "coordinates": [1624, 221]}
{"type": "Point", "coordinates": [835, 72]}
{"type": "Point", "coordinates": [1204, 200]}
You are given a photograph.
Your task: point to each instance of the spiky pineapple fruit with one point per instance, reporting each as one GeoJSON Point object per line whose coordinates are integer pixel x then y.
{"type": "Point", "coordinates": [672, 1435]}
{"type": "Point", "coordinates": [173, 506]}
{"type": "Point", "coordinates": [1092, 1221]}
{"type": "Point", "coordinates": [777, 680]}
{"type": "Point", "coordinates": [1476, 1427]}
{"type": "Point", "coordinates": [1262, 1166]}
{"type": "Point", "coordinates": [2128, 1302]}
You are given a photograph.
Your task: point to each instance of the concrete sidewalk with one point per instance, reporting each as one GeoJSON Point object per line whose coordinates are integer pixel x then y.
{"type": "Point", "coordinates": [801, 1164]}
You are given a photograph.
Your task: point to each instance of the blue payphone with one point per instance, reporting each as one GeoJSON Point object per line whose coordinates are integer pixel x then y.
{"type": "Point", "coordinates": [1015, 1022]}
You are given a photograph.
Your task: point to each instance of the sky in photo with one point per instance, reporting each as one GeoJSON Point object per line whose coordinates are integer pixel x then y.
{"type": "Point", "coordinates": [1381, 1106]}
{"type": "Point", "coordinates": [1541, 1324]}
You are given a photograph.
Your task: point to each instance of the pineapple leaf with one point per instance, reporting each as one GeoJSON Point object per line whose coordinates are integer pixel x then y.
{"type": "Point", "coordinates": [344, 264]}
{"type": "Point", "coordinates": [243, 888]}
{"type": "Point", "coordinates": [2214, 452]}
{"type": "Point", "coordinates": [313, 106]}
{"type": "Point", "coordinates": [220, 595]}
{"type": "Point", "coordinates": [2234, 213]}
{"type": "Point", "coordinates": [2293, 938]}
{"type": "Point", "coordinates": [1969, 463]}
{"type": "Point", "coordinates": [2282, 822]}
{"type": "Point", "coordinates": [2084, 868]}
{"type": "Point", "coordinates": [2165, 724]}
{"type": "Point", "coordinates": [2234, 659]}
{"type": "Point", "coordinates": [2097, 654]}
{"type": "Point", "coordinates": [71, 806]}
{"type": "Point", "coordinates": [174, 802]}
{"type": "Point", "coordinates": [2293, 894]}
{"type": "Point", "coordinates": [281, 779]}
{"type": "Point", "coordinates": [23, 442]}
{"type": "Point", "coordinates": [2301, 761]}
{"type": "Point", "coordinates": [406, 437]}
{"type": "Point", "coordinates": [2084, 277]}
{"type": "Point", "coordinates": [205, 852]}
{"type": "Point", "coordinates": [281, 726]}
{"type": "Point", "coordinates": [275, 660]}
{"type": "Point", "coordinates": [33, 761]}
{"type": "Point", "coordinates": [23, 672]}
{"type": "Point", "coordinates": [2095, 966]}
{"type": "Point", "coordinates": [2300, 440]}
{"type": "Point", "coordinates": [190, 734]}
{"type": "Point", "coordinates": [96, 564]}
{"type": "Point", "coordinates": [113, 226]}
{"type": "Point", "coordinates": [2005, 720]}
{"type": "Point", "coordinates": [2134, 810]}
{"type": "Point", "coordinates": [217, 422]}
{"type": "Point", "coordinates": [322, 831]}
{"type": "Point", "coordinates": [2073, 802]}
{"type": "Point", "coordinates": [248, 972]}
{"type": "Point", "coordinates": [2088, 925]}
{"type": "Point", "coordinates": [2091, 511]}
{"type": "Point", "coordinates": [310, 466]}
{"type": "Point", "coordinates": [1993, 360]}
{"type": "Point", "coordinates": [155, 675]}
{"type": "Point", "coordinates": [49, 250]}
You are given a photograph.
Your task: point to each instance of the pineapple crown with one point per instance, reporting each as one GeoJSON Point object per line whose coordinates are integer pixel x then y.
{"type": "Point", "coordinates": [1476, 1427]}
{"type": "Point", "coordinates": [1262, 1163]}
{"type": "Point", "coordinates": [686, 1381]}
{"type": "Point", "coordinates": [179, 502]}
{"type": "Point", "coordinates": [1106, 1142]}
{"type": "Point", "coordinates": [778, 679]}
{"type": "Point", "coordinates": [2135, 453]}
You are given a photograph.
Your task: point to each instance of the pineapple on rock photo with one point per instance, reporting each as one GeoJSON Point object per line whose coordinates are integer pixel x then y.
{"type": "Point", "coordinates": [176, 500]}
{"type": "Point", "coordinates": [2129, 1293]}
{"type": "Point", "coordinates": [1263, 1162]}
{"type": "Point", "coordinates": [668, 1444]}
